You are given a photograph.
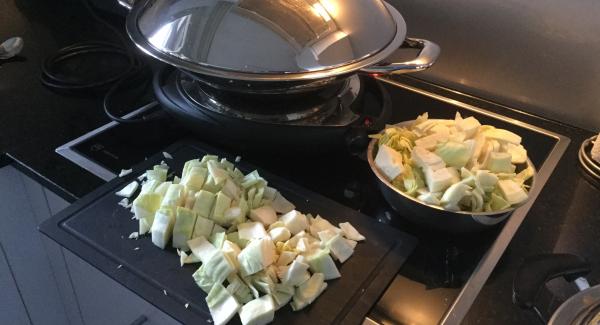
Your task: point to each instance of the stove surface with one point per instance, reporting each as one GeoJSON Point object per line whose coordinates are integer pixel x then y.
{"type": "Point", "coordinates": [440, 280]}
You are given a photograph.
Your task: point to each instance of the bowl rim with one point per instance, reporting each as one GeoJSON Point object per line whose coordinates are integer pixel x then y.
{"type": "Point", "coordinates": [370, 158]}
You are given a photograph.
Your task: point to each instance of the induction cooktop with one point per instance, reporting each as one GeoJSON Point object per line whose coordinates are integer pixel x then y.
{"type": "Point", "coordinates": [442, 277]}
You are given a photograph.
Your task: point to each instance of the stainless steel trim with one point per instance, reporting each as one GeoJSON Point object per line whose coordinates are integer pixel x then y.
{"type": "Point", "coordinates": [471, 289]}
{"type": "Point", "coordinates": [128, 4]}
{"type": "Point", "coordinates": [142, 43]}
{"type": "Point", "coordinates": [425, 59]}
{"type": "Point", "coordinates": [67, 151]}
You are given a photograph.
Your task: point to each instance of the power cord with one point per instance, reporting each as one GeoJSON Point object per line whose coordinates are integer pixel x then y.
{"type": "Point", "coordinates": [134, 75]}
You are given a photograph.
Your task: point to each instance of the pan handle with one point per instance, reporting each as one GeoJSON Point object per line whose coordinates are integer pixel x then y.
{"type": "Point", "coordinates": [425, 59]}
{"type": "Point", "coordinates": [537, 270]}
{"type": "Point", "coordinates": [128, 4]}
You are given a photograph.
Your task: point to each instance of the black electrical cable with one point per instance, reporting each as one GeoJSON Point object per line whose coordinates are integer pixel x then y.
{"type": "Point", "coordinates": [134, 75]}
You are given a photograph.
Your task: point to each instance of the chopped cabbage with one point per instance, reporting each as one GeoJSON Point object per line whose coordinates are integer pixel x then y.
{"type": "Point", "coordinates": [259, 311]}
{"type": "Point", "coordinates": [221, 304]}
{"type": "Point", "coordinates": [185, 219]}
{"type": "Point", "coordinates": [306, 293]}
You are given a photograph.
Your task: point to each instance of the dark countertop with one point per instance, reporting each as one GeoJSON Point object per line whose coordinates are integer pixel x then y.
{"type": "Point", "coordinates": [35, 121]}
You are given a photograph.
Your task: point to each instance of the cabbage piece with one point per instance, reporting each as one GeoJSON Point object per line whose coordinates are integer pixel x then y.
{"type": "Point", "coordinates": [500, 162]}
{"type": "Point", "coordinates": [211, 185]}
{"type": "Point", "coordinates": [144, 208]}
{"type": "Point", "coordinates": [496, 203]}
{"type": "Point", "coordinates": [221, 304]}
{"type": "Point", "coordinates": [234, 215]}
{"type": "Point", "coordinates": [257, 200]}
{"type": "Point", "coordinates": [321, 262]}
{"type": "Point", "coordinates": [188, 165]}
{"type": "Point", "coordinates": [350, 232]}
{"type": "Point", "coordinates": [294, 274]}
{"type": "Point", "coordinates": [234, 237]}
{"type": "Point", "coordinates": [320, 224]}
{"type": "Point", "coordinates": [454, 154]}
{"type": "Point", "coordinates": [258, 311]}
{"type": "Point", "coordinates": [217, 229]}
{"type": "Point", "coordinates": [294, 240]}
{"type": "Point", "coordinates": [174, 196]}
{"type": "Point", "coordinates": [389, 162]}
{"type": "Point", "coordinates": [410, 181]}
{"type": "Point", "coordinates": [524, 175]}
{"type": "Point", "coordinates": [203, 227]}
{"type": "Point", "coordinates": [502, 135]}
{"type": "Point", "coordinates": [149, 186]}
{"type": "Point", "coordinates": [282, 295]}
{"type": "Point", "coordinates": [251, 230]}
{"type": "Point", "coordinates": [425, 159]}
{"type": "Point", "coordinates": [202, 248]}
{"type": "Point", "coordinates": [486, 180]}
{"type": "Point", "coordinates": [222, 203]}
{"type": "Point", "coordinates": [259, 254]}
{"type": "Point", "coordinates": [185, 219]}
{"type": "Point", "coordinates": [429, 198]}
{"type": "Point", "coordinates": [218, 239]}
{"type": "Point", "coordinates": [207, 158]}
{"type": "Point", "coordinates": [306, 293]}
{"type": "Point", "coordinates": [265, 214]}
{"type": "Point", "coordinates": [231, 251]}
{"type": "Point", "coordinates": [469, 126]}
{"type": "Point", "coordinates": [339, 248]}
{"type": "Point", "coordinates": [517, 152]}
{"type": "Point", "coordinates": [303, 246]}
{"type": "Point", "coordinates": [286, 258]}
{"type": "Point", "coordinates": [215, 270]}
{"type": "Point", "coordinates": [157, 173]}
{"type": "Point", "coordinates": [280, 234]}
{"type": "Point", "coordinates": [263, 282]}
{"type": "Point", "coordinates": [477, 200]}
{"type": "Point", "coordinates": [184, 258]}
{"type": "Point", "coordinates": [216, 172]}
{"type": "Point", "coordinates": [195, 178]}
{"type": "Point", "coordinates": [326, 235]}
{"type": "Point", "coordinates": [399, 139]}
{"type": "Point", "coordinates": [294, 221]}
{"type": "Point", "coordinates": [162, 188]}
{"type": "Point", "coordinates": [204, 203]}
{"type": "Point", "coordinates": [512, 191]}
{"type": "Point", "coordinates": [439, 180]}
{"type": "Point", "coordinates": [455, 193]}
{"type": "Point", "coordinates": [231, 189]}
{"type": "Point", "coordinates": [430, 142]}
{"type": "Point", "coordinates": [253, 179]}
{"type": "Point", "coordinates": [128, 190]}
{"type": "Point", "coordinates": [239, 289]}
{"type": "Point", "coordinates": [162, 227]}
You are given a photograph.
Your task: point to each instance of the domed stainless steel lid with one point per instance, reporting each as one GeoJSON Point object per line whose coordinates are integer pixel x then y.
{"type": "Point", "coordinates": [267, 40]}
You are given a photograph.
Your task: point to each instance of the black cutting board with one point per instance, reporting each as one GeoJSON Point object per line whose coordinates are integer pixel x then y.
{"type": "Point", "coordinates": [97, 229]}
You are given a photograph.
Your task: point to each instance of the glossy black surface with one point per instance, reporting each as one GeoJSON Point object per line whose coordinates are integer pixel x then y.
{"type": "Point", "coordinates": [564, 218]}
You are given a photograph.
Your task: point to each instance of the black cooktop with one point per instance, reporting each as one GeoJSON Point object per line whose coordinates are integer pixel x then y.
{"type": "Point", "coordinates": [427, 287]}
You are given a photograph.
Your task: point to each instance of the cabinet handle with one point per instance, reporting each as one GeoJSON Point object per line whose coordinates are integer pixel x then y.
{"type": "Point", "coordinates": [140, 320]}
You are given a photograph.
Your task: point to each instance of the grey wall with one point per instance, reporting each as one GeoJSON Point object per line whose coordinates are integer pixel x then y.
{"type": "Point", "coordinates": [542, 56]}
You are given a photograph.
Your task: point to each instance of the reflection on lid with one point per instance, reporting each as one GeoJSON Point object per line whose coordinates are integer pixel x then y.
{"type": "Point", "coordinates": [268, 36]}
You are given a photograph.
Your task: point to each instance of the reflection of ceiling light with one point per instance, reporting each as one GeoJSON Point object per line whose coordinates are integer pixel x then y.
{"type": "Point", "coordinates": [330, 6]}
{"type": "Point", "coordinates": [321, 11]}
